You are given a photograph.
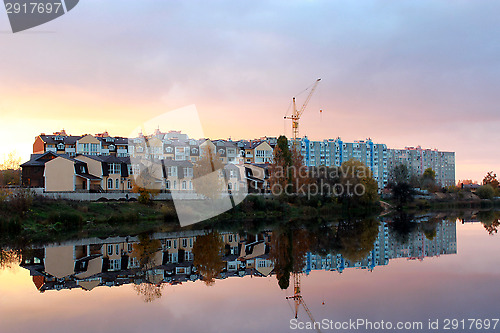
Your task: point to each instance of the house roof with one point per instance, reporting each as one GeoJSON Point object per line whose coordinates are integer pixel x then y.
{"type": "Point", "coordinates": [38, 159]}
{"type": "Point", "coordinates": [70, 139]}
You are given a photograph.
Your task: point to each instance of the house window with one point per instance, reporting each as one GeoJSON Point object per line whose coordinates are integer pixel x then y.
{"type": "Point", "coordinates": [168, 244]}
{"type": "Point", "coordinates": [94, 147]}
{"type": "Point", "coordinates": [168, 149]}
{"type": "Point", "coordinates": [188, 172]}
{"type": "Point", "coordinates": [110, 250]}
{"type": "Point", "coordinates": [190, 185]}
{"type": "Point", "coordinates": [167, 184]}
{"type": "Point", "coordinates": [175, 243]}
{"type": "Point", "coordinates": [184, 242]}
{"type": "Point", "coordinates": [172, 171]}
{"type": "Point", "coordinates": [230, 238]}
{"type": "Point", "coordinates": [129, 247]}
{"type": "Point", "coordinates": [184, 185]}
{"type": "Point", "coordinates": [229, 186]}
{"type": "Point", "coordinates": [60, 146]}
{"type": "Point", "coordinates": [175, 184]}
{"type": "Point", "coordinates": [110, 183]}
{"type": "Point", "coordinates": [190, 242]}
{"type": "Point", "coordinates": [114, 168]}
{"type": "Point", "coordinates": [117, 249]}
{"type": "Point", "coordinates": [117, 182]}
{"type": "Point", "coordinates": [129, 184]}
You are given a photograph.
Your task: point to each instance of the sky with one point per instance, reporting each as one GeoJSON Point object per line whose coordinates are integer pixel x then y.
{"type": "Point", "coordinates": [403, 73]}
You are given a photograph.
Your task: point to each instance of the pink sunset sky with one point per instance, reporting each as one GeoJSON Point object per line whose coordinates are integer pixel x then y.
{"type": "Point", "coordinates": [401, 73]}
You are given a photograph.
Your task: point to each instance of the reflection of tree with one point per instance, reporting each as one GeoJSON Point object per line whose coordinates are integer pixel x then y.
{"type": "Point", "coordinates": [402, 226]}
{"type": "Point", "coordinates": [9, 258]}
{"type": "Point", "coordinates": [149, 291]}
{"type": "Point", "coordinates": [357, 238]}
{"type": "Point", "coordinates": [207, 252]}
{"type": "Point", "coordinates": [490, 220]}
{"type": "Point", "coordinates": [288, 251]}
{"type": "Point", "coordinates": [281, 254]}
{"type": "Point", "coordinates": [429, 227]}
{"type": "Point", "coordinates": [145, 251]}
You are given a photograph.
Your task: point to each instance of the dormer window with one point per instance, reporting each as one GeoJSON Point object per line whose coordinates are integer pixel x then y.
{"type": "Point", "coordinates": [168, 149]}
{"type": "Point", "coordinates": [111, 147]}
{"type": "Point", "coordinates": [60, 146]}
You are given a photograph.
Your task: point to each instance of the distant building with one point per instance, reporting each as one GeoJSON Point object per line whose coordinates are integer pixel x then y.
{"type": "Point", "coordinates": [419, 159]}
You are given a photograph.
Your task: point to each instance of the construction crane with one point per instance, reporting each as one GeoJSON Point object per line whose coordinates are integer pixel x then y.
{"type": "Point", "coordinates": [296, 114]}
{"type": "Point", "coordinates": [297, 297]}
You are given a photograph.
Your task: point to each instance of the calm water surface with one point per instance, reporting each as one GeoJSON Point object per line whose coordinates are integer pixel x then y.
{"type": "Point", "coordinates": [455, 276]}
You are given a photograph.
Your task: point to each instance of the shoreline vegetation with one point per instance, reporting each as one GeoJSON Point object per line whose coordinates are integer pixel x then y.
{"type": "Point", "coordinates": [38, 220]}
{"type": "Point", "coordinates": [299, 195]}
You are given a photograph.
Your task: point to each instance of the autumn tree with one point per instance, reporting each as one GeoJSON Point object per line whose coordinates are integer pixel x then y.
{"type": "Point", "coordinates": [145, 251]}
{"type": "Point", "coordinates": [9, 258]}
{"type": "Point", "coordinates": [491, 179]}
{"type": "Point", "coordinates": [207, 253]}
{"type": "Point", "coordinates": [357, 183]}
{"type": "Point", "coordinates": [10, 171]}
{"type": "Point", "coordinates": [149, 291]}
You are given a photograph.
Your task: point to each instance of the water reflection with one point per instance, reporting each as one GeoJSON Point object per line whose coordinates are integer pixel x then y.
{"type": "Point", "coordinates": [149, 262]}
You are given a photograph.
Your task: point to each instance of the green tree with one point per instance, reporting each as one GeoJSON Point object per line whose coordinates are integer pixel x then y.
{"type": "Point", "coordinates": [428, 179]}
{"type": "Point", "coordinates": [485, 192]}
{"type": "Point", "coordinates": [400, 174]}
{"type": "Point", "coordinates": [207, 252]}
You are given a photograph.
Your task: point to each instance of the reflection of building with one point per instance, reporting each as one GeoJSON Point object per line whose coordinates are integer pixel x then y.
{"type": "Point", "coordinates": [113, 261]}
{"type": "Point", "coordinates": [387, 247]}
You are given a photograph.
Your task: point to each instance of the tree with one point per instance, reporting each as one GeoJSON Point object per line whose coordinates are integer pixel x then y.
{"type": "Point", "coordinates": [208, 174]}
{"type": "Point", "coordinates": [10, 171]}
{"type": "Point", "coordinates": [491, 179]}
{"type": "Point", "coordinates": [428, 179]}
{"type": "Point", "coordinates": [145, 251]}
{"type": "Point", "coordinates": [402, 194]}
{"type": "Point", "coordinates": [400, 174]}
{"type": "Point", "coordinates": [9, 258]}
{"type": "Point", "coordinates": [357, 183]}
{"type": "Point", "coordinates": [149, 291]}
{"type": "Point", "coordinates": [207, 252]}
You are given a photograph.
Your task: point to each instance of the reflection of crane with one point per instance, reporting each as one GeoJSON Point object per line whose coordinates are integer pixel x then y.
{"type": "Point", "coordinates": [297, 297]}
{"type": "Point", "coordinates": [295, 117]}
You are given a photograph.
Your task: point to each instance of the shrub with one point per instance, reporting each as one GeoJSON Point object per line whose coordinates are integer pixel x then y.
{"type": "Point", "coordinates": [485, 192]}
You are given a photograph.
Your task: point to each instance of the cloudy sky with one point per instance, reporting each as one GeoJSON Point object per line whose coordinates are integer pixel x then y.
{"type": "Point", "coordinates": [404, 73]}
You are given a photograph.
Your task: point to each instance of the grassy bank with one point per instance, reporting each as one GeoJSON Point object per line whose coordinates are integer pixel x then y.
{"type": "Point", "coordinates": [43, 220]}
